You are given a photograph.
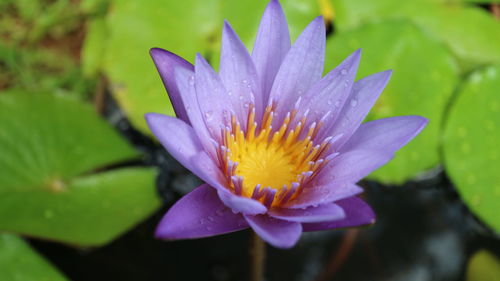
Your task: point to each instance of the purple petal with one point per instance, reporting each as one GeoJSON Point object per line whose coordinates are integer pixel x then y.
{"type": "Point", "coordinates": [240, 204]}
{"type": "Point", "coordinates": [325, 99]}
{"type": "Point", "coordinates": [178, 138]}
{"type": "Point", "coordinates": [212, 97]}
{"type": "Point", "coordinates": [321, 213]}
{"type": "Point", "coordinates": [364, 94]}
{"type": "Point", "coordinates": [185, 82]}
{"type": "Point", "coordinates": [301, 68]}
{"type": "Point", "coordinates": [239, 76]}
{"type": "Point", "coordinates": [357, 213]}
{"type": "Point", "coordinates": [330, 192]}
{"type": "Point", "coordinates": [352, 166]}
{"type": "Point", "coordinates": [213, 176]}
{"type": "Point", "coordinates": [279, 233]}
{"type": "Point", "coordinates": [199, 214]}
{"type": "Point", "coordinates": [388, 134]}
{"type": "Point", "coordinates": [271, 45]}
{"type": "Point", "coordinates": [166, 62]}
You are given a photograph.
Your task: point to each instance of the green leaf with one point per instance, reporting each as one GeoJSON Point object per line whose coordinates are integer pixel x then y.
{"type": "Point", "coordinates": [94, 46]}
{"type": "Point", "coordinates": [470, 32]}
{"type": "Point", "coordinates": [471, 152]}
{"type": "Point", "coordinates": [18, 262]}
{"type": "Point", "coordinates": [483, 266]}
{"type": "Point", "coordinates": [185, 28]}
{"type": "Point", "coordinates": [52, 148]}
{"type": "Point", "coordinates": [424, 75]}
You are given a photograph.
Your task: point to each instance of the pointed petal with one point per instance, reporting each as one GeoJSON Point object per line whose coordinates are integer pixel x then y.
{"type": "Point", "coordinates": [357, 213]}
{"type": "Point", "coordinates": [239, 76]}
{"type": "Point", "coordinates": [212, 97]}
{"type": "Point", "coordinates": [330, 192]}
{"type": "Point", "coordinates": [213, 176]}
{"type": "Point", "coordinates": [178, 138]}
{"type": "Point", "coordinates": [326, 98]}
{"type": "Point", "coordinates": [352, 166]}
{"type": "Point", "coordinates": [388, 134]}
{"type": "Point", "coordinates": [185, 82]}
{"type": "Point", "coordinates": [321, 213]}
{"type": "Point", "coordinates": [166, 62]}
{"type": "Point", "coordinates": [271, 45]}
{"type": "Point", "coordinates": [301, 68]}
{"type": "Point", "coordinates": [199, 214]}
{"type": "Point", "coordinates": [279, 233]}
{"type": "Point", "coordinates": [240, 204]}
{"type": "Point", "coordinates": [364, 94]}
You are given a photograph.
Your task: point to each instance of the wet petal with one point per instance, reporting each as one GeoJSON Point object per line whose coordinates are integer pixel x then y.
{"type": "Point", "coordinates": [213, 176]}
{"type": "Point", "coordinates": [182, 145]}
{"type": "Point", "coordinates": [200, 213]}
{"type": "Point", "coordinates": [166, 62]}
{"type": "Point", "coordinates": [301, 68]}
{"type": "Point", "coordinates": [357, 213]}
{"type": "Point", "coordinates": [216, 108]}
{"type": "Point", "coordinates": [321, 213]}
{"type": "Point", "coordinates": [388, 134]}
{"type": "Point", "coordinates": [271, 45]}
{"type": "Point", "coordinates": [326, 98]}
{"type": "Point", "coordinates": [352, 166]}
{"type": "Point", "coordinates": [364, 94]}
{"type": "Point", "coordinates": [279, 233]}
{"type": "Point", "coordinates": [330, 192]}
{"type": "Point", "coordinates": [185, 82]}
{"type": "Point", "coordinates": [239, 76]}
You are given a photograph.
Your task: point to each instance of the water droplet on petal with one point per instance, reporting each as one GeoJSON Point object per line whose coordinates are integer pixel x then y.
{"type": "Point", "coordinates": [208, 114]}
{"type": "Point", "coordinates": [343, 71]}
{"type": "Point", "coordinates": [354, 102]}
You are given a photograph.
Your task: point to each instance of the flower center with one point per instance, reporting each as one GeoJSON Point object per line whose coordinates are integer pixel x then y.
{"type": "Point", "coordinates": [267, 164]}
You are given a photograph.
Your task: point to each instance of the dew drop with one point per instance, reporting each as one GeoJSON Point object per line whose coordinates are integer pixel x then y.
{"type": "Point", "coordinates": [241, 97]}
{"type": "Point", "coordinates": [208, 114]}
{"type": "Point", "coordinates": [191, 80]}
{"type": "Point", "coordinates": [343, 71]}
{"type": "Point", "coordinates": [354, 102]}
{"type": "Point", "coordinates": [229, 93]}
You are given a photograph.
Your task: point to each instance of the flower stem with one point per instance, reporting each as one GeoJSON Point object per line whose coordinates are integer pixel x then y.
{"type": "Point", "coordinates": [257, 255]}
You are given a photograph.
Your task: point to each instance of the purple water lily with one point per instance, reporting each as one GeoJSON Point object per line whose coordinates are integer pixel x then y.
{"type": "Point", "coordinates": [280, 147]}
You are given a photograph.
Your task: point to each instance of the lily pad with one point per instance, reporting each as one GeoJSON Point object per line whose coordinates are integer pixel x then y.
{"type": "Point", "coordinates": [18, 262]}
{"type": "Point", "coordinates": [483, 266]}
{"type": "Point", "coordinates": [424, 77]}
{"type": "Point", "coordinates": [54, 180]}
{"type": "Point", "coordinates": [448, 21]}
{"type": "Point", "coordinates": [471, 138]}
{"type": "Point", "coordinates": [185, 28]}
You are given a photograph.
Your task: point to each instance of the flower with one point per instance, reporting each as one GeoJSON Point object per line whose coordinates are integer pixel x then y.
{"type": "Point", "coordinates": [279, 146]}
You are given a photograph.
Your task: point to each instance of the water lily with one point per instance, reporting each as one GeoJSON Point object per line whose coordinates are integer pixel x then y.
{"type": "Point", "coordinates": [279, 146]}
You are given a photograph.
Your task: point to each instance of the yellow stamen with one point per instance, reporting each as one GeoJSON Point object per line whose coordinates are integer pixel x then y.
{"type": "Point", "coordinates": [275, 160]}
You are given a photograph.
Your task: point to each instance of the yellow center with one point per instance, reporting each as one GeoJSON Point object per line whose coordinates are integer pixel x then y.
{"type": "Point", "coordinates": [269, 164]}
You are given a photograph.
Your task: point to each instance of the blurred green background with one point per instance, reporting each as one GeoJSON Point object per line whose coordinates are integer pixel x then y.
{"type": "Point", "coordinates": [67, 174]}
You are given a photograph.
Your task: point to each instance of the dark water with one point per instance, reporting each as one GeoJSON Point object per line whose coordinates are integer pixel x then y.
{"type": "Point", "coordinates": [423, 232]}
